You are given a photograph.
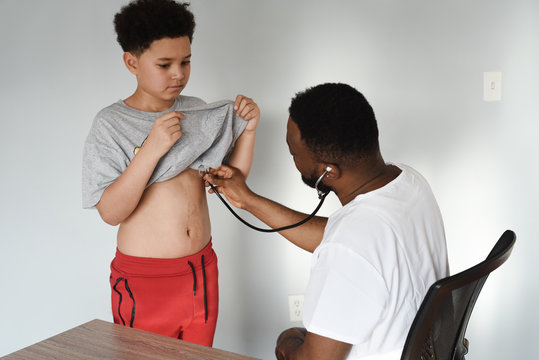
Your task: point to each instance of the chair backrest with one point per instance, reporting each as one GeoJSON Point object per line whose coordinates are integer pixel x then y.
{"type": "Point", "coordinates": [437, 332]}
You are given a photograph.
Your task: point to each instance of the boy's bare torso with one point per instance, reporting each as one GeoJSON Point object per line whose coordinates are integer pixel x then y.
{"type": "Point", "coordinates": [170, 221]}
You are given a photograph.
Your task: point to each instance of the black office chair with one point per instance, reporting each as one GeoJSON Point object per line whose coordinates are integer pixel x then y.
{"type": "Point", "coordinates": [438, 330]}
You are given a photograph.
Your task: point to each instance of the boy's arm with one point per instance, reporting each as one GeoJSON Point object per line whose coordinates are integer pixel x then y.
{"type": "Point", "coordinates": [121, 197]}
{"type": "Point", "coordinates": [242, 155]}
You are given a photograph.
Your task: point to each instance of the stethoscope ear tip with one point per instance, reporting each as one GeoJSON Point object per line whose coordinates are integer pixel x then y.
{"type": "Point", "coordinates": [320, 192]}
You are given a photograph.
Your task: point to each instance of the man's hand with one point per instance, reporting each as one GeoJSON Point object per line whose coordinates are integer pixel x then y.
{"type": "Point", "coordinates": [289, 342]}
{"type": "Point", "coordinates": [248, 110]}
{"type": "Point", "coordinates": [299, 344]}
{"type": "Point", "coordinates": [166, 130]}
{"type": "Point", "coordinates": [229, 181]}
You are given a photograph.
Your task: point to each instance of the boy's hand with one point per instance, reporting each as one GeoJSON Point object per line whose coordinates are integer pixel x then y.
{"type": "Point", "coordinates": [247, 109]}
{"type": "Point", "coordinates": [166, 130]}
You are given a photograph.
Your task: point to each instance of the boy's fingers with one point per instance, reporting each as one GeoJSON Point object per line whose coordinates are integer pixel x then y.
{"type": "Point", "coordinates": [249, 109]}
{"type": "Point", "coordinates": [169, 120]}
{"type": "Point", "coordinates": [173, 115]}
{"type": "Point", "coordinates": [245, 107]}
{"type": "Point", "coordinates": [173, 127]}
{"type": "Point", "coordinates": [241, 103]}
{"type": "Point", "coordinates": [239, 98]}
{"type": "Point", "coordinates": [177, 135]}
{"type": "Point", "coordinates": [175, 123]}
{"type": "Point", "coordinates": [240, 106]}
{"type": "Point", "coordinates": [177, 114]}
{"type": "Point", "coordinates": [250, 115]}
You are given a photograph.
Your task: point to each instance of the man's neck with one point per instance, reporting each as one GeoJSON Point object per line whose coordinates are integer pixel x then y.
{"type": "Point", "coordinates": [368, 176]}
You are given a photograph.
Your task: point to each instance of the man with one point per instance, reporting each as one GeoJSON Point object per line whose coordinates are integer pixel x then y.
{"type": "Point", "coordinates": [374, 258]}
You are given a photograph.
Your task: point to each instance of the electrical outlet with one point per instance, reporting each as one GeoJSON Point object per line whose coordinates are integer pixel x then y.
{"type": "Point", "coordinates": [295, 305]}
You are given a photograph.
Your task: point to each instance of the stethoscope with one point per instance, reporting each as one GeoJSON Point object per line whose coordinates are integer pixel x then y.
{"type": "Point", "coordinates": [321, 195]}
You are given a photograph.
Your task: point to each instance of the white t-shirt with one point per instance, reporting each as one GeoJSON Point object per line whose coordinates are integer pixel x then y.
{"type": "Point", "coordinates": [379, 255]}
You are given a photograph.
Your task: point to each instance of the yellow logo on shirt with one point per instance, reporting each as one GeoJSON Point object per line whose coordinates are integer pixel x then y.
{"type": "Point", "coordinates": [136, 149]}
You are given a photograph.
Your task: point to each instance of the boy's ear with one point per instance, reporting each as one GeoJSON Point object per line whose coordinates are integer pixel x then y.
{"type": "Point", "coordinates": [131, 62]}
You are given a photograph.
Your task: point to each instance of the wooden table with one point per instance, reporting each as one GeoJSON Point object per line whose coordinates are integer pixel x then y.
{"type": "Point", "coordinates": [98, 339]}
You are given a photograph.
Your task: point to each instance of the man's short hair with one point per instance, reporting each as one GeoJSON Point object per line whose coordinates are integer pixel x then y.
{"type": "Point", "coordinates": [336, 122]}
{"type": "Point", "coordinates": [141, 22]}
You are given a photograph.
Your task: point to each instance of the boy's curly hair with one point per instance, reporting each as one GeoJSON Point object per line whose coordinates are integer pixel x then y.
{"type": "Point", "coordinates": [336, 122]}
{"type": "Point", "coordinates": [141, 22]}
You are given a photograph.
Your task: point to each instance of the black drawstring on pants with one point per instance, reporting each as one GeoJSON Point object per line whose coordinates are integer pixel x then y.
{"type": "Point", "coordinates": [120, 302]}
{"type": "Point", "coordinates": [204, 284]}
{"type": "Point", "coordinates": [205, 298]}
{"type": "Point", "coordinates": [194, 278]}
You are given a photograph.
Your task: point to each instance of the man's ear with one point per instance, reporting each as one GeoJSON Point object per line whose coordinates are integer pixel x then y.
{"type": "Point", "coordinates": [333, 171]}
{"type": "Point", "coordinates": [131, 62]}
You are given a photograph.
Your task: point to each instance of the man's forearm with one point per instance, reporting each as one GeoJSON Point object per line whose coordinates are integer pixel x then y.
{"type": "Point", "coordinates": [307, 236]}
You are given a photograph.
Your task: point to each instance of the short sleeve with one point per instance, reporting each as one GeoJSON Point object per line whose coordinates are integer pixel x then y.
{"type": "Point", "coordinates": [238, 125]}
{"type": "Point", "coordinates": [102, 164]}
{"type": "Point", "coordinates": [345, 297]}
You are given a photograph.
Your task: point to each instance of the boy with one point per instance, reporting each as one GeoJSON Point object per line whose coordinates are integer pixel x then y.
{"type": "Point", "coordinates": [141, 170]}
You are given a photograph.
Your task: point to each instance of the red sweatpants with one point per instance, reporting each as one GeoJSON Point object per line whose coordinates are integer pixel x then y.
{"type": "Point", "coordinates": [173, 297]}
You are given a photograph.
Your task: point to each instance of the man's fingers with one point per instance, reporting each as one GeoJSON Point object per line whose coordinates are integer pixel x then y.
{"type": "Point", "coordinates": [222, 171]}
{"type": "Point", "coordinates": [214, 180]}
{"type": "Point", "coordinates": [224, 168]}
{"type": "Point", "coordinates": [207, 184]}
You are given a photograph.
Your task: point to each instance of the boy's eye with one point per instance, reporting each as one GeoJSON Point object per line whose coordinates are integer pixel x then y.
{"type": "Point", "coordinates": [164, 66]}
{"type": "Point", "coordinates": [186, 62]}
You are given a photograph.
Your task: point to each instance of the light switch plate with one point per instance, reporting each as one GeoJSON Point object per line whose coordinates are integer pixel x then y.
{"type": "Point", "coordinates": [492, 86]}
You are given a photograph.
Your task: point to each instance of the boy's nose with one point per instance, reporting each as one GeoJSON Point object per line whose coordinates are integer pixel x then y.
{"type": "Point", "coordinates": [177, 73]}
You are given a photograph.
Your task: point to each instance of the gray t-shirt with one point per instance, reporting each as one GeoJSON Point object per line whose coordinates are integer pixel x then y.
{"type": "Point", "coordinates": [209, 132]}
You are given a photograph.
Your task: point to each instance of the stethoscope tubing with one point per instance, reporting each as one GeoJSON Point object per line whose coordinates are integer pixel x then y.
{"type": "Point", "coordinates": [321, 195]}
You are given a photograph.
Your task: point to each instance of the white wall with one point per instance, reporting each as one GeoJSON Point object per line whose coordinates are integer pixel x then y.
{"type": "Point", "coordinates": [419, 62]}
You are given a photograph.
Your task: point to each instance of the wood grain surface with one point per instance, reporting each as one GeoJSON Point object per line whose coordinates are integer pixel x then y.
{"type": "Point", "coordinates": [98, 339]}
